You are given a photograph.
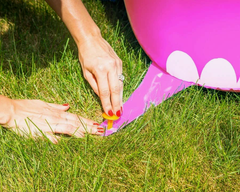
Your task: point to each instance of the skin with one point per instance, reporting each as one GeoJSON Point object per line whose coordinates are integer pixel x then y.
{"type": "Point", "coordinates": [101, 67]}
{"type": "Point", "coordinates": [40, 118]}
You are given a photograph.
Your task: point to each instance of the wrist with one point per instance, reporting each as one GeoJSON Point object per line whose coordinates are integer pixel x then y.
{"type": "Point", "coordinates": [6, 110]}
{"type": "Point", "coordinates": [86, 36]}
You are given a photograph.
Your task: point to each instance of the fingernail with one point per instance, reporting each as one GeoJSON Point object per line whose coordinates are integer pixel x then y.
{"type": "Point", "coordinates": [95, 124]}
{"type": "Point", "coordinates": [118, 113]}
{"type": "Point", "coordinates": [100, 129]}
{"type": "Point", "coordinates": [65, 104]}
{"type": "Point", "coordinates": [110, 113]}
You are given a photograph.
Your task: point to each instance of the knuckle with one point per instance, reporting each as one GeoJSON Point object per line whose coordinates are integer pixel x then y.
{"type": "Point", "coordinates": [85, 76]}
{"type": "Point", "coordinates": [40, 115]}
{"type": "Point", "coordinates": [108, 65]}
{"type": "Point", "coordinates": [121, 86]}
{"type": "Point", "coordinates": [49, 119]}
{"type": "Point", "coordinates": [112, 64]}
{"type": "Point", "coordinates": [120, 62]}
{"type": "Point", "coordinates": [110, 60]}
{"type": "Point", "coordinates": [69, 129]}
{"type": "Point", "coordinates": [115, 90]}
{"type": "Point", "coordinates": [46, 109]}
{"type": "Point", "coordinates": [78, 123]}
{"type": "Point", "coordinates": [104, 93]}
{"type": "Point", "coordinates": [101, 68]}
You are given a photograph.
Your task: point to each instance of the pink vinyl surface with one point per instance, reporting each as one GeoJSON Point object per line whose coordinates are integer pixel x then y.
{"type": "Point", "coordinates": [196, 41]}
{"type": "Point", "coordinates": [156, 87]}
{"type": "Point", "coordinates": [190, 42]}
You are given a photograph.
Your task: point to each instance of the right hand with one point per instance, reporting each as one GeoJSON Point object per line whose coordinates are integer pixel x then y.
{"type": "Point", "coordinates": [101, 68]}
{"type": "Point", "coordinates": [35, 118]}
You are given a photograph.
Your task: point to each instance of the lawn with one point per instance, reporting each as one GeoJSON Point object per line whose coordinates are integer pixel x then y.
{"type": "Point", "coordinates": [191, 142]}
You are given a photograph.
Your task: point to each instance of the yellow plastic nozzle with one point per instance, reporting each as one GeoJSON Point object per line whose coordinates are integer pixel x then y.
{"type": "Point", "coordinates": [110, 120]}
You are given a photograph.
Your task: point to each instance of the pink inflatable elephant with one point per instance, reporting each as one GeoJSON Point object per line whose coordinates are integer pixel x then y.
{"type": "Point", "coordinates": [190, 42]}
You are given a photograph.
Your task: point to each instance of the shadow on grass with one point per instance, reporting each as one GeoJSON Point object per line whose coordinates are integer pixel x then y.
{"type": "Point", "coordinates": [30, 33]}
{"type": "Point", "coordinates": [117, 14]}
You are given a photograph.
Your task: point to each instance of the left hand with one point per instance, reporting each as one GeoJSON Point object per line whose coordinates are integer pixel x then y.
{"type": "Point", "coordinates": [38, 118]}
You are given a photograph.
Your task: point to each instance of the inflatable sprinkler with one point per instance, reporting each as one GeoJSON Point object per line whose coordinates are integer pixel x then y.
{"type": "Point", "coordinates": [189, 43]}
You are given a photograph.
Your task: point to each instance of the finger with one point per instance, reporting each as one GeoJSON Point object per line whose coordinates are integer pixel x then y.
{"type": "Point", "coordinates": [63, 107]}
{"type": "Point", "coordinates": [43, 126]}
{"type": "Point", "coordinates": [89, 129]}
{"type": "Point", "coordinates": [115, 92]}
{"type": "Point", "coordinates": [66, 129]}
{"type": "Point", "coordinates": [94, 129]}
{"type": "Point", "coordinates": [121, 84]}
{"type": "Point", "coordinates": [53, 138]}
{"type": "Point", "coordinates": [87, 125]}
{"type": "Point", "coordinates": [76, 131]}
{"type": "Point", "coordinates": [58, 118]}
{"type": "Point", "coordinates": [119, 70]}
{"type": "Point", "coordinates": [92, 81]}
{"type": "Point", "coordinates": [73, 117]}
{"type": "Point", "coordinates": [104, 94]}
{"type": "Point", "coordinates": [121, 96]}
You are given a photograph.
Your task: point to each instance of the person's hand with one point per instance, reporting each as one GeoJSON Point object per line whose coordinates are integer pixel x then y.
{"type": "Point", "coordinates": [37, 118]}
{"type": "Point", "coordinates": [101, 68]}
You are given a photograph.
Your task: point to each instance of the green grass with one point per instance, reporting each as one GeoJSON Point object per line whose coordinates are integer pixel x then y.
{"type": "Point", "coordinates": [191, 142]}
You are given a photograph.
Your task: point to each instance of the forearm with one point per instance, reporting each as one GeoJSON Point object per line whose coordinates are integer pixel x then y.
{"type": "Point", "coordinates": [76, 18]}
{"type": "Point", "coordinates": [100, 64]}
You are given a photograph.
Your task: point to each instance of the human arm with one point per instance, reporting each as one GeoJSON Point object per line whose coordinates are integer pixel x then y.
{"type": "Point", "coordinates": [100, 64]}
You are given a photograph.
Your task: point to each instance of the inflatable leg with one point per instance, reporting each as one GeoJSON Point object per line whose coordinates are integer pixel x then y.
{"type": "Point", "coordinates": [156, 87]}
